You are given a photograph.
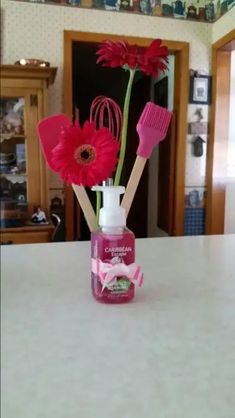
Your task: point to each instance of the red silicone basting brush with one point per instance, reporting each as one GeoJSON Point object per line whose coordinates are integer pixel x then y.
{"type": "Point", "coordinates": [49, 130]}
{"type": "Point", "coordinates": [152, 128]}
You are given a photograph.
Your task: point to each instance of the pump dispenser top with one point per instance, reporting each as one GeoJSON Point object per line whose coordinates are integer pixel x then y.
{"type": "Point", "coordinates": [112, 216]}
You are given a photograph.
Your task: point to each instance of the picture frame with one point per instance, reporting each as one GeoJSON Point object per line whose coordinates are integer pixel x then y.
{"type": "Point", "coordinates": [200, 89]}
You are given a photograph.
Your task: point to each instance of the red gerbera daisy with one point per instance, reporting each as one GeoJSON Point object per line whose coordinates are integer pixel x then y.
{"type": "Point", "coordinates": [117, 54]}
{"type": "Point", "coordinates": [85, 155]}
{"type": "Point", "coordinates": [154, 59]}
{"type": "Point", "coordinates": [150, 60]}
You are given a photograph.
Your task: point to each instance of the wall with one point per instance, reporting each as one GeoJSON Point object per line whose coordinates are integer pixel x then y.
{"type": "Point", "coordinates": [223, 26]}
{"type": "Point", "coordinates": [229, 221]}
{"type": "Point", "coordinates": [36, 31]}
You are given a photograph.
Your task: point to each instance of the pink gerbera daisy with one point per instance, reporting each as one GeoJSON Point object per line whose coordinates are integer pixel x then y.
{"type": "Point", "coordinates": [85, 155]}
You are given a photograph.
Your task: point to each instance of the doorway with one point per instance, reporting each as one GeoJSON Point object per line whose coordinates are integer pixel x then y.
{"type": "Point", "coordinates": [164, 160]}
{"type": "Point", "coordinates": [217, 154]}
{"type": "Point", "coordinates": [90, 80]}
{"type": "Point", "coordinates": [76, 43]}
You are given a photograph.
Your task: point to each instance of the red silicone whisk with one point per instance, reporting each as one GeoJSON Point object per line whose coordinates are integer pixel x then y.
{"type": "Point", "coordinates": [105, 112]}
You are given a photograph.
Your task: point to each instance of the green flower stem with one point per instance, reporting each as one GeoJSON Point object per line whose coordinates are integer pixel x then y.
{"type": "Point", "coordinates": [124, 128]}
{"type": "Point", "coordinates": [98, 205]}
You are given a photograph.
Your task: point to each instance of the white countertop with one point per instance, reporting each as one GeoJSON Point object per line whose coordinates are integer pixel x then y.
{"type": "Point", "coordinates": [168, 354]}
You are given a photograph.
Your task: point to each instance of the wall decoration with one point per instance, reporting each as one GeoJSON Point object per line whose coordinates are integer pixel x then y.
{"type": "Point", "coordinates": [195, 196]}
{"type": "Point", "coordinates": [200, 89]}
{"type": "Point", "coordinates": [198, 146]}
{"type": "Point", "coordinates": [111, 5]}
{"type": "Point", "coordinates": [208, 11]}
{"type": "Point", "coordinates": [194, 212]}
{"type": "Point", "coordinates": [198, 126]}
{"type": "Point", "coordinates": [179, 9]}
{"type": "Point", "coordinates": [194, 221]}
{"type": "Point", "coordinates": [192, 12]}
{"type": "Point", "coordinates": [195, 190]}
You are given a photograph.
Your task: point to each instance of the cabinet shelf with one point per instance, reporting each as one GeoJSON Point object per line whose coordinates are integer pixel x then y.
{"type": "Point", "coordinates": [26, 234]}
{"type": "Point", "coordinates": [7, 136]}
{"type": "Point", "coordinates": [15, 178]}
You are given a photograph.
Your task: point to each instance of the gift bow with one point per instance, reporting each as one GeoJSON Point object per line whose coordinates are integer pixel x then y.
{"type": "Point", "coordinates": [108, 273]}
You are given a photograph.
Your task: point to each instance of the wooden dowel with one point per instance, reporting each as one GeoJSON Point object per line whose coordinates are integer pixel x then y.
{"type": "Point", "coordinates": [133, 182]}
{"type": "Point", "coordinates": [86, 206]}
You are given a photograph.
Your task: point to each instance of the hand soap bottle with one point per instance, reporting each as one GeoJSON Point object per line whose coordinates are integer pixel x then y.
{"type": "Point", "coordinates": [113, 271]}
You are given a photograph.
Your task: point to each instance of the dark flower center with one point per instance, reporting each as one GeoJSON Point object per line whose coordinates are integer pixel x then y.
{"type": "Point", "coordinates": [85, 154]}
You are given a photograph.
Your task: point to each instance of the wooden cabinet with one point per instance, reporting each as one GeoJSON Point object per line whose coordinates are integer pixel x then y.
{"type": "Point", "coordinates": [26, 234]}
{"type": "Point", "coordinates": [23, 173]}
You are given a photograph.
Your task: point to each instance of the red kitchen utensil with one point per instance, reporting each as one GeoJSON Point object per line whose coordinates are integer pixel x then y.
{"type": "Point", "coordinates": [48, 131]}
{"type": "Point", "coordinates": [152, 128]}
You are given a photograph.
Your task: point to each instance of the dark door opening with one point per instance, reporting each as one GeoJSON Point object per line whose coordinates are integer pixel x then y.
{"type": "Point", "coordinates": [90, 80]}
{"type": "Point", "coordinates": [179, 102]}
{"type": "Point", "coordinates": [166, 164]}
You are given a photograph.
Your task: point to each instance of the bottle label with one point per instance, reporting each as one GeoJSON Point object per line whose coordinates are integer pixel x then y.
{"type": "Point", "coordinates": [121, 285]}
{"type": "Point", "coordinates": [117, 251]}
{"type": "Point", "coordinates": [115, 275]}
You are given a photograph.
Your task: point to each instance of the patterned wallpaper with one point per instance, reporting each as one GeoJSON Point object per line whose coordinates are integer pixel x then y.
{"type": "Point", "coordinates": [201, 10]}
{"type": "Point", "coordinates": [36, 31]}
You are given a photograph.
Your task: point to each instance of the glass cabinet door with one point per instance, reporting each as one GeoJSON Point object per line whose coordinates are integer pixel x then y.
{"type": "Point", "coordinates": [22, 170]}
{"type": "Point", "coordinates": [13, 162]}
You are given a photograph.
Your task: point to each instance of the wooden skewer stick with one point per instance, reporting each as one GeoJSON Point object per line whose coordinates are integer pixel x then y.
{"type": "Point", "coordinates": [133, 182]}
{"type": "Point", "coordinates": [86, 206]}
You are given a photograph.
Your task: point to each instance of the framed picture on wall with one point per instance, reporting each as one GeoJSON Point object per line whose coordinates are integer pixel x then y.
{"type": "Point", "coordinates": [200, 89]}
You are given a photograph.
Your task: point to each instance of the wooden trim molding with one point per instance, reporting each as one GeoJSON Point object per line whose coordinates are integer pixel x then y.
{"type": "Point", "coordinates": [181, 86]}
{"type": "Point", "coordinates": [29, 72]}
{"type": "Point", "coordinates": [218, 134]}
{"type": "Point", "coordinates": [181, 52]}
{"type": "Point", "coordinates": [225, 41]}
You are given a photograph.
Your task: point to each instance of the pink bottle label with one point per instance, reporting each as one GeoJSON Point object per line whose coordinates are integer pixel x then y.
{"type": "Point", "coordinates": [112, 254]}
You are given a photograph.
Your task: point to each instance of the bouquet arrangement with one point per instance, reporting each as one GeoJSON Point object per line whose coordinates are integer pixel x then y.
{"type": "Point", "coordinates": [87, 155]}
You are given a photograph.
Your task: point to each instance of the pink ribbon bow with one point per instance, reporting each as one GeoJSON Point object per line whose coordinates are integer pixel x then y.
{"type": "Point", "coordinates": [108, 273]}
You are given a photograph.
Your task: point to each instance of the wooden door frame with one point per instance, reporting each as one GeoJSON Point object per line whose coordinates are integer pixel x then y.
{"type": "Point", "coordinates": [218, 134]}
{"type": "Point", "coordinates": [181, 85]}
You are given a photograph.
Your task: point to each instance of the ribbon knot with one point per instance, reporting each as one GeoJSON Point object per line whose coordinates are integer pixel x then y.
{"type": "Point", "coordinates": [108, 272]}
